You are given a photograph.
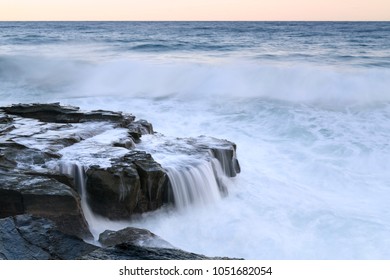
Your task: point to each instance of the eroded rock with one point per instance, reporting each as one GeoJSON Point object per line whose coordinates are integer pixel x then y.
{"type": "Point", "coordinates": [55, 113]}
{"type": "Point", "coordinates": [25, 237]}
{"type": "Point", "coordinates": [133, 184]}
{"type": "Point", "coordinates": [136, 236]}
{"type": "Point", "coordinates": [129, 251]}
{"type": "Point", "coordinates": [51, 154]}
{"type": "Point", "coordinates": [118, 183]}
{"type": "Point", "coordinates": [44, 197]}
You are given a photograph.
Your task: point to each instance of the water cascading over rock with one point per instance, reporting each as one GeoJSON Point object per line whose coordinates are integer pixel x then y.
{"type": "Point", "coordinates": [194, 185]}
{"type": "Point", "coordinates": [100, 158]}
{"type": "Point", "coordinates": [198, 169]}
{"type": "Point", "coordinates": [77, 172]}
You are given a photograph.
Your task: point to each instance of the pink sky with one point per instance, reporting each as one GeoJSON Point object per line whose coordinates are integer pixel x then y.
{"type": "Point", "coordinates": [195, 10]}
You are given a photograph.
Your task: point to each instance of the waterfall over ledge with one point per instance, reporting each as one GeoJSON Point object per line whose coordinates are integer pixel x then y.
{"type": "Point", "coordinates": [115, 174]}
{"type": "Point", "coordinates": [198, 169]}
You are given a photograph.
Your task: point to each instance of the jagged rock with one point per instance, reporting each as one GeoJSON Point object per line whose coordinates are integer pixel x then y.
{"type": "Point", "coordinates": [112, 192]}
{"type": "Point", "coordinates": [11, 201]}
{"type": "Point", "coordinates": [136, 236]}
{"type": "Point", "coordinates": [202, 147]}
{"type": "Point", "coordinates": [5, 123]}
{"type": "Point", "coordinates": [55, 113]}
{"type": "Point", "coordinates": [129, 251]}
{"type": "Point", "coordinates": [228, 160]}
{"type": "Point", "coordinates": [52, 174]}
{"type": "Point", "coordinates": [136, 183]}
{"type": "Point", "coordinates": [45, 193]}
{"type": "Point", "coordinates": [50, 154]}
{"type": "Point", "coordinates": [5, 119]}
{"type": "Point", "coordinates": [44, 197]}
{"type": "Point", "coordinates": [133, 184]}
{"type": "Point", "coordinates": [139, 128]}
{"type": "Point", "coordinates": [25, 237]}
{"type": "Point", "coordinates": [5, 162]}
{"type": "Point", "coordinates": [223, 150]}
{"type": "Point", "coordinates": [6, 128]}
{"type": "Point", "coordinates": [127, 143]}
{"type": "Point", "coordinates": [153, 180]}
{"type": "Point", "coordinates": [13, 154]}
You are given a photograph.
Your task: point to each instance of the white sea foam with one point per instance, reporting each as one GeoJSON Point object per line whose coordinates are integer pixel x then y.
{"type": "Point", "coordinates": [231, 79]}
{"type": "Point", "coordinates": [313, 143]}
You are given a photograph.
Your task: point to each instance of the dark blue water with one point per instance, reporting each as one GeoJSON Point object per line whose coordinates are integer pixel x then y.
{"type": "Point", "coordinates": [354, 43]}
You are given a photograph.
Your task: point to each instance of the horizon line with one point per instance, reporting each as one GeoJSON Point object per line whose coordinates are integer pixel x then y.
{"type": "Point", "coordinates": [55, 20]}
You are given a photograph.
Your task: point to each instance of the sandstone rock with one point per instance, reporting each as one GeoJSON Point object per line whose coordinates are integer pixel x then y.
{"type": "Point", "coordinates": [25, 237]}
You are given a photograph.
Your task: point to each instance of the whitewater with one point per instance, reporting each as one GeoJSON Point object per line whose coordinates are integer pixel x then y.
{"type": "Point", "coordinates": [308, 105]}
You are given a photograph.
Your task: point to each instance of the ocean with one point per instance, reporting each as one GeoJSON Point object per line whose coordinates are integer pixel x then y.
{"type": "Point", "coordinates": [307, 103]}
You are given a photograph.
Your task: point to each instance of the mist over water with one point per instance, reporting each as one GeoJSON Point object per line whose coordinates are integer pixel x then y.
{"type": "Point", "coordinates": [310, 117]}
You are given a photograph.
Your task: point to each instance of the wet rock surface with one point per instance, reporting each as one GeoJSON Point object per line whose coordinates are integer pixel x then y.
{"type": "Point", "coordinates": [45, 197]}
{"type": "Point", "coordinates": [129, 251]}
{"type": "Point", "coordinates": [25, 237]}
{"type": "Point", "coordinates": [133, 184]}
{"type": "Point", "coordinates": [135, 236]}
{"type": "Point", "coordinates": [52, 155]}
{"type": "Point", "coordinates": [56, 113]}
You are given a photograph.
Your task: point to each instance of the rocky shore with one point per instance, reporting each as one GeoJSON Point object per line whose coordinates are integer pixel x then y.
{"type": "Point", "coordinates": [57, 162]}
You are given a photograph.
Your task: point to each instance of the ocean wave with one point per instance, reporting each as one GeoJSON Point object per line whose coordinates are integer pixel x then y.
{"type": "Point", "coordinates": [236, 80]}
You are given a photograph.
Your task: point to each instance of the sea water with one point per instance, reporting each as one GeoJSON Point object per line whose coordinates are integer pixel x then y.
{"type": "Point", "coordinates": [307, 103]}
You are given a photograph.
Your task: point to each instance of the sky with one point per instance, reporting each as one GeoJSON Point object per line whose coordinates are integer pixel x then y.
{"type": "Point", "coordinates": [195, 10]}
